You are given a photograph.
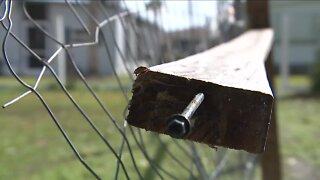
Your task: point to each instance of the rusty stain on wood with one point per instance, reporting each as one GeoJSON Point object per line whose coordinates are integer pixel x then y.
{"type": "Point", "coordinates": [238, 100]}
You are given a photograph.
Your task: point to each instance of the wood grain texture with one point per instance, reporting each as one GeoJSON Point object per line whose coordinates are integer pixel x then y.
{"type": "Point", "coordinates": [238, 100]}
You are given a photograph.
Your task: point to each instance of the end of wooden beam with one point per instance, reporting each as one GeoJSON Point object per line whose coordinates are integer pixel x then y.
{"type": "Point", "coordinates": [238, 101]}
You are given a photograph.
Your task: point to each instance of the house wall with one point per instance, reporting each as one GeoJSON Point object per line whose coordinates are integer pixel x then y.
{"type": "Point", "coordinates": [148, 42]}
{"type": "Point", "coordinates": [14, 51]}
{"type": "Point", "coordinates": [105, 52]}
{"type": "Point", "coordinates": [73, 32]}
{"type": "Point", "coordinates": [302, 31]}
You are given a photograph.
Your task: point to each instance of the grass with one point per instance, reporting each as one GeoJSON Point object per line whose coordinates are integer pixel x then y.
{"type": "Point", "coordinates": [299, 132]}
{"type": "Point", "coordinates": [31, 138]}
{"type": "Point", "coordinates": [298, 121]}
{"type": "Point", "coordinates": [295, 80]}
{"type": "Point", "coordinates": [31, 147]}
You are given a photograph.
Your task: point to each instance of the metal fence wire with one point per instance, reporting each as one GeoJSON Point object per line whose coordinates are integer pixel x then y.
{"type": "Point", "coordinates": [75, 41]}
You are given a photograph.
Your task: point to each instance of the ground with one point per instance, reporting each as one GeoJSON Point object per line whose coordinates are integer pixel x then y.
{"type": "Point", "coordinates": [298, 119]}
{"type": "Point", "coordinates": [32, 148]}
{"type": "Point", "coordinates": [299, 130]}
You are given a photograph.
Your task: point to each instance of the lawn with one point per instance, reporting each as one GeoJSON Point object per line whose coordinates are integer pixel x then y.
{"type": "Point", "coordinates": [298, 120]}
{"type": "Point", "coordinates": [299, 136]}
{"type": "Point", "coordinates": [31, 147]}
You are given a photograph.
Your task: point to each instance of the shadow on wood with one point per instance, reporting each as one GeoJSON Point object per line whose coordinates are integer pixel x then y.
{"type": "Point", "coordinates": [237, 102]}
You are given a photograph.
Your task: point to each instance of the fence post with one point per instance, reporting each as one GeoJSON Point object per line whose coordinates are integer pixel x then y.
{"type": "Point", "coordinates": [258, 17]}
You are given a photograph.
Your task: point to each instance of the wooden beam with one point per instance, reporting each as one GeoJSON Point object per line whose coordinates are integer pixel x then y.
{"type": "Point", "coordinates": [238, 100]}
{"type": "Point", "coordinates": [258, 17]}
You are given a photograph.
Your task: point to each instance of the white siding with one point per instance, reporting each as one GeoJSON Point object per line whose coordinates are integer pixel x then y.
{"type": "Point", "coordinates": [304, 30]}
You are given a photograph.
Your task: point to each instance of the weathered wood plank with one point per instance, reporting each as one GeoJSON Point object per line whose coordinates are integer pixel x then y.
{"type": "Point", "coordinates": [238, 100]}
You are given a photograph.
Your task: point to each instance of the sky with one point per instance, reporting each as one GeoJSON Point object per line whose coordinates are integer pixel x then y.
{"type": "Point", "coordinates": [175, 13]}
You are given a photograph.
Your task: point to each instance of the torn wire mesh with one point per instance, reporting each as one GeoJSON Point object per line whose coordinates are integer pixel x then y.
{"type": "Point", "coordinates": [76, 42]}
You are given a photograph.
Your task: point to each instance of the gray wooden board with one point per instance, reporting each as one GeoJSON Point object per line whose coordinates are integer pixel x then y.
{"type": "Point", "coordinates": [238, 100]}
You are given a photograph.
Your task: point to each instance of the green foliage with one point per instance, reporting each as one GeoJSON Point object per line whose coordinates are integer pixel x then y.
{"type": "Point", "coordinates": [315, 74]}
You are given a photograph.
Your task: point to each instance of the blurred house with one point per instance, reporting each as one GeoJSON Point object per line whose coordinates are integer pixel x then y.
{"type": "Point", "coordinates": [188, 41]}
{"type": "Point", "coordinates": [146, 41]}
{"type": "Point", "coordinates": [297, 28]}
{"type": "Point", "coordinates": [56, 17]}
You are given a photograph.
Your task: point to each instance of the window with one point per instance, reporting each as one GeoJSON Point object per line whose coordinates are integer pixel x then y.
{"type": "Point", "coordinates": [37, 10]}
{"type": "Point", "coordinates": [36, 38]}
{"type": "Point", "coordinates": [37, 44]}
